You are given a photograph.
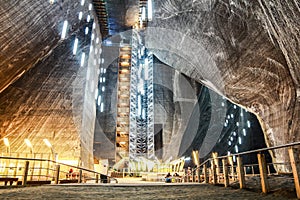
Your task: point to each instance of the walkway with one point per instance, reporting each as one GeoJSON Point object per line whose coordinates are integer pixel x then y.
{"type": "Point", "coordinates": [136, 191]}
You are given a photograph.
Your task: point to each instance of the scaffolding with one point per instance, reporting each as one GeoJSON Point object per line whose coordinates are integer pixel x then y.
{"type": "Point", "coordinates": [141, 142]}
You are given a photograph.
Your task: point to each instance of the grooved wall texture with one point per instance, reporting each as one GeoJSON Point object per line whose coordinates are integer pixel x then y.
{"type": "Point", "coordinates": [48, 90]}
{"type": "Point", "coordinates": [244, 50]}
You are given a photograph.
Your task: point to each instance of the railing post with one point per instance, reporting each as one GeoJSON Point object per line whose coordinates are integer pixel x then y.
{"type": "Point", "coordinates": [225, 172]}
{"type": "Point", "coordinates": [198, 174]}
{"type": "Point", "coordinates": [214, 173]}
{"type": "Point", "coordinates": [80, 176]}
{"type": "Point", "coordinates": [26, 168]}
{"type": "Point", "coordinates": [294, 159]}
{"type": "Point", "coordinates": [193, 176]}
{"type": "Point", "coordinates": [263, 173]}
{"type": "Point", "coordinates": [205, 173]}
{"type": "Point", "coordinates": [216, 161]}
{"type": "Point", "coordinates": [57, 174]}
{"type": "Point", "coordinates": [97, 178]}
{"type": "Point", "coordinates": [241, 173]}
{"type": "Point", "coordinates": [230, 161]}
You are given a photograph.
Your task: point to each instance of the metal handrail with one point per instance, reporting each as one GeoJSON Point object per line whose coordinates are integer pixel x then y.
{"type": "Point", "coordinates": [55, 162]}
{"type": "Point", "coordinates": [249, 152]}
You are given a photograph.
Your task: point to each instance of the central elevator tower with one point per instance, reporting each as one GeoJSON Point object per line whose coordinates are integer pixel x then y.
{"type": "Point", "coordinates": [141, 136]}
{"type": "Point", "coordinates": [135, 105]}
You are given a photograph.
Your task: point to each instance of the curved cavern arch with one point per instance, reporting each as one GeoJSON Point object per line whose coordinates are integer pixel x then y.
{"type": "Point", "coordinates": [249, 86]}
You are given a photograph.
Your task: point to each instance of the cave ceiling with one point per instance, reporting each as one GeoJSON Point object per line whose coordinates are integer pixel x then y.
{"type": "Point", "coordinates": [246, 50]}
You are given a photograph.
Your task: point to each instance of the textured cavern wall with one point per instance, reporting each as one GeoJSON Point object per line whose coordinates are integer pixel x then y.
{"type": "Point", "coordinates": [53, 94]}
{"type": "Point", "coordinates": [105, 127]}
{"type": "Point", "coordinates": [190, 115]}
{"type": "Point", "coordinates": [240, 49]}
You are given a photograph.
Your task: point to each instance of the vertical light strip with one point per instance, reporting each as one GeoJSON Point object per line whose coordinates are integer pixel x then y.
{"type": "Point", "coordinates": [149, 10]}
{"type": "Point", "coordinates": [75, 46]}
{"type": "Point", "coordinates": [143, 13]}
{"type": "Point", "coordinates": [80, 15]}
{"type": "Point", "coordinates": [82, 2]}
{"type": "Point", "coordinates": [82, 59]}
{"type": "Point", "coordinates": [64, 30]}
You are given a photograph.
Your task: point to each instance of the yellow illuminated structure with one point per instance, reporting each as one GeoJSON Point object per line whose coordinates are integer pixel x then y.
{"type": "Point", "coordinates": [123, 105]}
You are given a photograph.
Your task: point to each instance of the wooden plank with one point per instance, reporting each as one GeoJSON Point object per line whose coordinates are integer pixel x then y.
{"type": "Point", "coordinates": [294, 159]}
{"type": "Point", "coordinates": [57, 174]}
{"type": "Point", "coordinates": [214, 173]}
{"type": "Point", "coordinates": [241, 173]}
{"type": "Point", "coordinates": [80, 176]}
{"type": "Point", "coordinates": [225, 171]}
{"type": "Point", "coordinates": [263, 173]}
{"type": "Point", "coordinates": [26, 168]}
{"type": "Point", "coordinates": [205, 173]}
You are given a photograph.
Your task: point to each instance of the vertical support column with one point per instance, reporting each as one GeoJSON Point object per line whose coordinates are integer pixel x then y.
{"type": "Point", "coordinates": [48, 166]}
{"type": "Point", "coordinates": [225, 172]}
{"type": "Point", "coordinates": [198, 174]}
{"type": "Point", "coordinates": [17, 163]}
{"type": "Point", "coordinates": [40, 168]}
{"type": "Point", "coordinates": [294, 158]}
{"type": "Point", "coordinates": [205, 173]}
{"type": "Point", "coordinates": [97, 178]}
{"type": "Point", "coordinates": [26, 168]}
{"type": "Point", "coordinates": [216, 161]}
{"type": "Point", "coordinates": [57, 174]}
{"type": "Point", "coordinates": [214, 172]}
{"type": "Point", "coordinates": [80, 176]}
{"type": "Point", "coordinates": [193, 175]}
{"type": "Point", "coordinates": [263, 173]}
{"type": "Point", "coordinates": [230, 162]}
{"type": "Point", "coordinates": [241, 173]}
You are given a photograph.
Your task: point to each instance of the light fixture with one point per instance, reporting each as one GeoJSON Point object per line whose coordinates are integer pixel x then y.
{"type": "Point", "coordinates": [80, 15]}
{"type": "Point", "coordinates": [196, 157]}
{"type": "Point", "coordinates": [46, 141]}
{"type": "Point", "coordinates": [124, 64]}
{"type": "Point", "coordinates": [6, 141]}
{"type": "Point", "coordinates": [143, 14]}
{"type": "Point", "coordinates": [75, 46]}
{"type": "Point", "coordinates": [149, 9]}
{"type": "Point", "coordinates": [82, 59]}
{"type": "Point", "coordinates": [28, 143]}
{"type": "Point", "coordinates": [64, 30]}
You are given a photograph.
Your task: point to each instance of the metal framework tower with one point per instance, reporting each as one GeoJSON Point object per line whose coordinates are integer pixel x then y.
{"type": "Point", "coordinates": [135, 117]}
{"type": "Point", "coordinates": [141, 142]}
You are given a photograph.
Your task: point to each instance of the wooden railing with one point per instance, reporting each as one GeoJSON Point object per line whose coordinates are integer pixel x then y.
{"type": "Point", "coordinates": [221, 170]}
{"type": "Point", "coordinates": [31, 171]}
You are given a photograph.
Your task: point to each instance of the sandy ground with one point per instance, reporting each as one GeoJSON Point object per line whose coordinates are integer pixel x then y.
{"type": "Point", "coordinates": [137, 189]}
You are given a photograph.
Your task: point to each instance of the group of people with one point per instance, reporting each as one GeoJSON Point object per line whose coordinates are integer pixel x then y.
{"type": "Point", "coordinates": [169, 177]}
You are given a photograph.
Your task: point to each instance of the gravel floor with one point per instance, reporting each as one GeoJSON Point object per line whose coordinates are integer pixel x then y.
{"type": "Point", "coordinates": [134, 191]}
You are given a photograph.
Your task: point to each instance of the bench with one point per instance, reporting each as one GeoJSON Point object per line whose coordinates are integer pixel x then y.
{"type": "Point", "coordinates": [8, 179]}
{"type": "Point", "coordinates": [38, 182]}
{"type": "Point", "coordinates": [68, 181]}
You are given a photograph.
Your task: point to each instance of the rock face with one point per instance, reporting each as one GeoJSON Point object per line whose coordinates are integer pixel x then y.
{"type": "Point", "coordinates": [244, 50]}
{"type": "Point", "coordinates": [53, 92]}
